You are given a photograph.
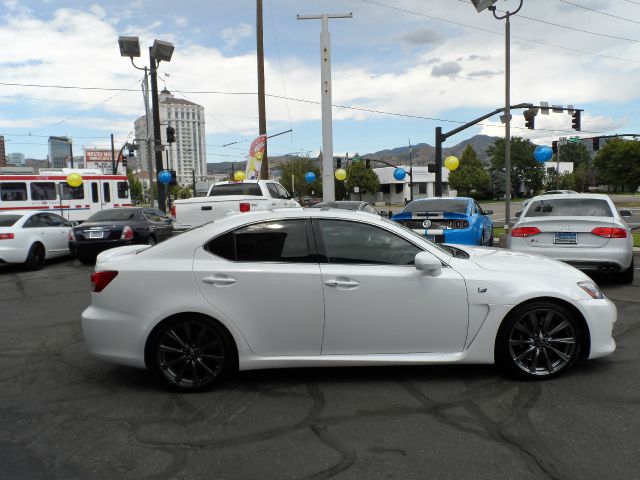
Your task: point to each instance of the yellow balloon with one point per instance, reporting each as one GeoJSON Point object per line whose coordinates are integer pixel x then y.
{"type": "Point", "coordinates": [238, 176]}
{"type": "Point", "coordinates": [341, 174]}
{"type": "Point", "coordinates": [74, 180]}
{"type": "Point", "coordinates": [451, 163]}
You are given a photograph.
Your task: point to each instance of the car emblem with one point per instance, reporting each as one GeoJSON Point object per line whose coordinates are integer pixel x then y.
{"type": "Point", "coordinates": [426, 223]}
{"type": "Point", "coordinates": [566, 227]}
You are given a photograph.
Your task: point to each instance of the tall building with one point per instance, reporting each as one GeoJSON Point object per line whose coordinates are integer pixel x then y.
{"type": "Point", "coordinates": [3, 162]}
{"type": "Point", "coordinates": [188, 155]}
{"type": "Point", "coordinates": [17, 159]}
{"type": "Point", "coordinates": [60, 152]}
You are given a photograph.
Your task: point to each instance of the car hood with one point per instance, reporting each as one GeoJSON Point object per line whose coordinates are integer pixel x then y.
{"type": "Point", "coordinates": [502, 260]}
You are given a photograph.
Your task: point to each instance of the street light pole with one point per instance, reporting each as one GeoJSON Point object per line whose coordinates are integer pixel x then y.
{"type": "Point", "coordinates": [410, 174]}
{"type": "Point", "coordinates": [157, 142]}
{"type": "Point", "coordinates": [328, 186]}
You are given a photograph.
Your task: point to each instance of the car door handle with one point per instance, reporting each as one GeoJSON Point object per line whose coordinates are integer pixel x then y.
{"type": "Point", "coordinates": [219, 280]}
{"type": "Point", "coordinates": [338, 283]}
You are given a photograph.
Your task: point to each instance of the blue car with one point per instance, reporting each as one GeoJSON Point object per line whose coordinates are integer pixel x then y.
{"type": "Point", "coordinates": [448, 220]}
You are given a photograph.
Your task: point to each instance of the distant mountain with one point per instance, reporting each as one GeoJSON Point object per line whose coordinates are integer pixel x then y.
{"type": "Point", "coordinates": [421, 154]}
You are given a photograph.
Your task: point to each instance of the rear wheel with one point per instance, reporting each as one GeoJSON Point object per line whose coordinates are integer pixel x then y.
{"type": "Point", "coordinates": [86, 259]}
{"type": "Point", "coordinates": [151, 240]}
{"type": "Point", "coordinates": [35, 257]}
{"type": "Point", "coordinates": [191, 353]}
{"type": "Point", "coordinates": [627, 275]}
{"type": "Point", "coordinates": [539, 340]}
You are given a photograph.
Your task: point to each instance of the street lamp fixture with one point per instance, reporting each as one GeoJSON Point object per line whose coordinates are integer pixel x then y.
{"type": "Point", "coordinates": [161, 51]}
{"type": "Point", "coordinates": [483, 4]}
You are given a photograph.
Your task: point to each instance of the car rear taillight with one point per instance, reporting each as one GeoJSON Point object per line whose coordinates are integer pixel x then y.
{"type": "Point", "coordinates": [245, 206]}
{"type": "Point", "coordinates": [173, 211]}
{"type": "Point", "coordinates": [610, 232]}
{"type": "Point", "coordinates": [458, 224]}
{"type": "Point", "coordinates": [100, 280]}
{"type": "Point", "coordinates": [6, 236]}
{"type": "Point", "coordinates": [525, 231]}
{"type": "Point", "coordinates": [127, 233]}
{"type": "Point", "coordinates": [71, 237]}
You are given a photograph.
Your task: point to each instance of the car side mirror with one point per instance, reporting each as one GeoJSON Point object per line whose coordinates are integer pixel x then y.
{"type": "Point", "coordinates": [384, 214]}
{"type": "Point", "coordinates": [295, 195]}
{"type": "Point", "coordinates": [428, 263]}
{"type": "Point", "coordinates": [488, 212]}
{"type": "Point", "coordinates": [626, 213]}
{"type": "Point", "coordinates": [518, 214]}
{"type": "Point", "coordinates": [74, 223]}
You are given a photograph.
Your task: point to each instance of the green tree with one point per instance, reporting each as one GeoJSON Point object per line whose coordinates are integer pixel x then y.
{"type": "Point", "coordinates": [180, 191]}
{"type": "Point", "coordinates": [358, 175]}
{"type": "Point", "coordinates": [524, 168]}
{"type": "Point", "coordinates": [299, 167]}
{"type": "Point", "coordinates": [566, 181]}
{"type": "Point", "coordinates": [618, 164]}
{"type": "Point", "coordinates": [470, 176]}
{"type": "Point", "coordinates": [135, 187]}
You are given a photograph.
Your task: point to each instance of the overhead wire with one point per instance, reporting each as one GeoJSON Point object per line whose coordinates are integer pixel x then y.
{"type": "Point", "coordinates": [600, 12]}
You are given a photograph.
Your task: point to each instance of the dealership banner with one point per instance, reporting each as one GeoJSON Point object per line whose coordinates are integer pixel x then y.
{"type": "Point", "coordinates": [100, 159]}
{"type": "Point", "coordinates": [256, 154]}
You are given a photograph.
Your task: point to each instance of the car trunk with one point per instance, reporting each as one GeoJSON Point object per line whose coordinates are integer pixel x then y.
{"type": "Point", "coordinates": [567, 232]}
{"type": "Point", "coordinates": [100, 231]}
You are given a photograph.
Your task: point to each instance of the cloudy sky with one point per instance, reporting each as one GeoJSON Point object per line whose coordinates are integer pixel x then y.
{"type": "Point", "coordinates": [400, 68]}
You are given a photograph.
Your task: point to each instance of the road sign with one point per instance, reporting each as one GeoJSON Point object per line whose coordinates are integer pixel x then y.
{"type": "Point", "coordinates": [574, 139]}
{"type": "Point", "coordinates": [355, 159]}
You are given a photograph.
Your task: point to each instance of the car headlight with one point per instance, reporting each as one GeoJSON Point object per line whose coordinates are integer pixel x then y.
{"type": "Point", "coordinates": [592, 289]}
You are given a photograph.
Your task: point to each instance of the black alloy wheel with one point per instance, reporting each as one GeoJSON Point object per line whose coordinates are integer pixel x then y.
{"type": "Point", "coordinates": [191, 353]}
{"type": "Point", "coordinates": [539, 341]}
{"type": "Point", "coordinates": [35, 257]}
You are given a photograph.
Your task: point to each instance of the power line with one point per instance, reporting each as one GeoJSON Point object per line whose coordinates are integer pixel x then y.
{"type": "Point", "coordinates": [600, 12]}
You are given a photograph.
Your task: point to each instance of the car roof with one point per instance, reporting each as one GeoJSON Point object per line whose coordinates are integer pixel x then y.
{"type": "Point", "coordinates": [26, 212]}
{"type": "Point", "coordinates": [573, 196]}
{"type": "Point", "coordinates": [338, 203]}
{"type": "Point", "coordinates": [441, 198]}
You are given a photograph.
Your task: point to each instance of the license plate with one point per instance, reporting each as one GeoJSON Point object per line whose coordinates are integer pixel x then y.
{"type": "Point", "coordinates": [566, 238]}
{"type": "Point", "coordinates": [95, 234]}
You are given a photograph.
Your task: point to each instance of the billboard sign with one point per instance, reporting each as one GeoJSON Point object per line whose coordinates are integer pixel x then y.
{"type": "Point", "coordinates": [99, 158]}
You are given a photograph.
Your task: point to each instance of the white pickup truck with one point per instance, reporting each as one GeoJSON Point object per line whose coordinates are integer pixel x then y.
{"type": "Point", "coordinates": [231, 197]}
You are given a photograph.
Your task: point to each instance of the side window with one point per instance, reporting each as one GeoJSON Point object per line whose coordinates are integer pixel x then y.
{"type": "Point", "coordinates": [94, 192]}
{"type": "Point", "coordinates": [13, 192]}
{"type": "Point", "coordinates": [282, 192]}
{"type": "Point", "coordinates": [276, 241]}
{"type": "Point", "coordinates": [152, 215]}
{"type": "Point", "coordinates": [54, 220]}
{"type": "Point", "coordinates": [344, 241]}
{"type": "Point", "coordinates": [123, 190]}
{"type": "Point", "coordinates": [43, 191]}
{"type": "Point", "coordinates": [37, 221]}
{"type": "Point", "coordinates": [478, 209]}
{"type": "Point", "coordinates": [273, 191]}
{"type": "Point", "coordinates": [106, 192]}
{"type": "Point", "coordinates": [370, 209]}
{"type": "Point", "coordinates": [72, 193]}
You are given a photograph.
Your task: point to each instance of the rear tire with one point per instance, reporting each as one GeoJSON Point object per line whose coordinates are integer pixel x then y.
{"type": "Point", "coordinates": [36, 257]}
{"type": "Point", "coordinates": [86, 259]}
{"type": "Point", "coordinates": [539, 341]}
{"type": "Point", "coordinates": [626, 276]}
{"type": "Point", "coordinates": [191, 353]}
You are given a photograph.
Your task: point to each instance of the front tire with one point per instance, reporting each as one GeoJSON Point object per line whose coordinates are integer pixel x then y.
{"type": "Point", "coordinates": [191, 353]}
{"type": "Point", "coordinates": [36, 257]}
{"type": "Point", "coordinates": [539, 340]}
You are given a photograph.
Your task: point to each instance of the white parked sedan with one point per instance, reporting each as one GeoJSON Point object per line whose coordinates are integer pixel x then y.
{"type": "Point", "coordinates": [299, 288]}
{"type": "Point", "coordinates": [33, 237]}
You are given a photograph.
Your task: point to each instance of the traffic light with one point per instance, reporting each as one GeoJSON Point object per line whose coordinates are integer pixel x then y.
{"type": "Point", "coordinates": [554, 147]}
{"type": "Point", "coordinates": [575, 120]}
{"type": "Point", "coordinates": [530, 118]}
{"type": "Point", "coordinates": [596, 143]}
{"type": "Point", "coordinates": [174, 180]}
{"type": "Point", "coordinates": [431, 168]}
{"type": "Point", "coordinates": [339, 163]}
{"type": "Point", "coordinates": [367, 163]}
{"type": "Point", "coordinates": [171, 135]}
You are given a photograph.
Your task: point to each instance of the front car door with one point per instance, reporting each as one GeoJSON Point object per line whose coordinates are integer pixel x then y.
{"type": "Point", "coordinates": [376, 302]}
{"type": "Point", "coordinates": [159, 224]}
{"type": "Point", "coordinates": [265, 279]}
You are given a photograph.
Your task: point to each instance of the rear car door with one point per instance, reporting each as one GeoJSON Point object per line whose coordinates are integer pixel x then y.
{"type": "Point", "coordinates": [43, 230]}
{"type": "Point", "coordinates": [264, 279]}
{"type": "Point", "coordinates": [160, 224]}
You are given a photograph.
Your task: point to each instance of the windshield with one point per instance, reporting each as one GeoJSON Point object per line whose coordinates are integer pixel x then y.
{"type": "Point", "coordinates": [117, 215]}
{"type": "Point", "coordinates": [8, 220]}
{"type": "Point", "coordinates": [569, 207]}
{"type": "Point", "coordinates": [455, 205]}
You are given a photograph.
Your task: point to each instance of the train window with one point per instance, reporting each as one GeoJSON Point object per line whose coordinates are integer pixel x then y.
{"type": "Point", "coordinates": [13, 191]}
{"type": "Point", "coordinates": [72, 193]}
{"type": "Point", "coordinates": [123, 190]}
{"type": "Point", "coordinates": [43, 191]}
{"type": "Point", "coordinates": [94, 192]}
{"type": "Point", "coordinates": [106, 192]}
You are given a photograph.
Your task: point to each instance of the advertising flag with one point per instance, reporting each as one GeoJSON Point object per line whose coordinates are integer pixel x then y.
{"type": "Point", "coordinates": [256, 154]}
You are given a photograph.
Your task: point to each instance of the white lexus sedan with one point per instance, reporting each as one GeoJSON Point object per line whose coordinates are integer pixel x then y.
{"type": "Point", "coordinates": [314, 287]}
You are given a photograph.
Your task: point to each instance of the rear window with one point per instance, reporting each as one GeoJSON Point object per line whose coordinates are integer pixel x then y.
{"type": "Point", "coordinates": [438, 205]}
{"type": "Point", "coordinates": [116, 215]}
{"type": "Point", "coordinates": [252, 189]}
{"type": "Point", "coordinates": [569, 207]}
{"type": "Point", "coordinates": [8, 220]}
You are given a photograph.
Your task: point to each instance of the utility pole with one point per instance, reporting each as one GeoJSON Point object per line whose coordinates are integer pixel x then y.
{"type": "Point", "coordinates": [113, 157]}
{"type": "Point", "coordinates": [149, 140]}
{"type": "Point", "coordinates": [157, 142]}
{"type": "Point", "coordinates": [328, 187]}
{"type": "Point", "coordinates": [262, 120]}
{"type": "Point", "coordinates": [410, 174]}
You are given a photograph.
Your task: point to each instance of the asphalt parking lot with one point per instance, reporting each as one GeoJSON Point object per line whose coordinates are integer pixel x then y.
{"type": "Point", "coordinates": [65, 415]}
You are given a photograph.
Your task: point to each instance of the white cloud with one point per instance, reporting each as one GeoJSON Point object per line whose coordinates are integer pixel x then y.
{"type": "Point", "coordinates": [181, 21]}
{"type": "Point", "coordinates": [232, 36]}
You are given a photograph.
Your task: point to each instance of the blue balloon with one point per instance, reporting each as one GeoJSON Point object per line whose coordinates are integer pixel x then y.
{"type": "Point", "coordinates": [542, 153]}
{"type": "Point", "coordinates": [309, 177]}
{"type": "Point", "coordinates": [164, 177]}
{"type": "Point", "coordinates": [399, 174]}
